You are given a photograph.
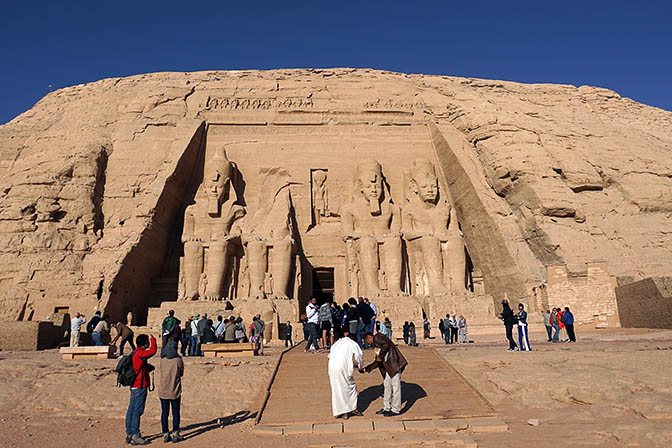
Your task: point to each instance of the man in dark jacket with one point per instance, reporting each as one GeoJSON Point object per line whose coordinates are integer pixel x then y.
{"type": "Point", "coordinates": [391, 364]}
{"type": "Point", "coordinates": [568, 320]}
{"type": "Point", "coordinates": [509, 321]}
{"type": "Point", "coordinates": [93, 322]}
{"type": "Point", "coordinates": [364, 314]}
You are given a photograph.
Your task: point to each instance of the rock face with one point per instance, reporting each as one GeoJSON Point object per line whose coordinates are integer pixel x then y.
{"type": "Point", "coordinates": [113, 194]}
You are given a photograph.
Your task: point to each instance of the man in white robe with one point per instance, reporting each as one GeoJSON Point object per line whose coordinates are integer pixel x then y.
{"type": "Point", "coordinates": [345, 356]}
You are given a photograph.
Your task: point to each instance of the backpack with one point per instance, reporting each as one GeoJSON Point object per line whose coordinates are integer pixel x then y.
{"type": "Point", "coordinates": [126, 374]}
{"type": "Point", "coordinates": [325, 313]}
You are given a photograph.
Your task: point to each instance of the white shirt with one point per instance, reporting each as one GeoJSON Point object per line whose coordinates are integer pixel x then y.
{"type": "Point", "coordinates": [313, 314]}
{"type": "Point", "coordinates": [375, 310]}
{"type": "Point", "coordinates": [76, 323]}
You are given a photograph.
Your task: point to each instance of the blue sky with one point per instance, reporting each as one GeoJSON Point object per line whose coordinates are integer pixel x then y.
{"type": "Point", "coordinates": [624, 46]}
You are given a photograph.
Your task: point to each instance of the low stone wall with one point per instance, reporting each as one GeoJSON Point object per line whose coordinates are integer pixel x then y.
{"type": "Point", "coordinates": [33, 335]}
{"type": "Point", "coordinates": [590, 296]}
{"type": "Point", "coordinates": [646, 303]}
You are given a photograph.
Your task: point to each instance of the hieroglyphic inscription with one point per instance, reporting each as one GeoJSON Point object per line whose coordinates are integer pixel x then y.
{"type": "Point", "coordinates": [394, 103]}
{"type": "Point", "coordinates": [233, 103]}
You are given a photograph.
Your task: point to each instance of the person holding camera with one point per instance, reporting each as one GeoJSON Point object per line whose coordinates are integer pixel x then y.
{"type": "Point", "coordinates": [313, 316]}
{"type": "Point", "coordinates": [136, 405]}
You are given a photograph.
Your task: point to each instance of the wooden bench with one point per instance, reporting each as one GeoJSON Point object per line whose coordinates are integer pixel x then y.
{"type": "Point", "coordinates": [89, 352]}
{"type": "Point", "coordinates": [231, 350]}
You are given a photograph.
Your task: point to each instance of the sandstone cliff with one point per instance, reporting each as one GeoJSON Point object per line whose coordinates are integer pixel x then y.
{"type": "Point", "coordinates": [92, 177]}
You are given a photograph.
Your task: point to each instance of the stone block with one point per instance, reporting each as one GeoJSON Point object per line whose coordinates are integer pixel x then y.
{"type": "Point", "coordinates": [419, 425]}
{"type": "Point", "coordinates": [32, 335]}
{"type": "Point", "coordinates": [388, 425]}
{"type": "Point", "coordinates": [450, 425]}
{"type": "Point", "coordinates": [487, 425]}
{"type": "Point", "coordinates": [269, 430]}
{"type": "Point", "coordinates": [89, 352]}
{"type": "Point", "coordinates": [298, 429]}
{"type": "Point", "coordinates": [235, 350]}
{"type": "Point", "coordinates": [452, 440]}
{"type": "Point", "coordinates": [328, 428]}
{"type": "Point", "coordinates": [354, 426]}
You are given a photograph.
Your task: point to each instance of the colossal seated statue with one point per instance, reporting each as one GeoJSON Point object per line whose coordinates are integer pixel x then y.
{"type": "Point", "coordinates": [371, 226]}
{"type": "Point", "coordinates": [435, 244]}
{"type": "Point", "coordinates": [208, 238]}
{"type": "Point", "coordinates": [268, 238]}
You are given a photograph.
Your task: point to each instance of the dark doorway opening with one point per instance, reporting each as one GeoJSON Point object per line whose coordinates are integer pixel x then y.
{"type": "Point", "coordinates": [323, 284]}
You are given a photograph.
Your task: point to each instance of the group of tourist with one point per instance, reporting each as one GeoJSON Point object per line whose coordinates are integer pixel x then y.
{"type": "Point", "coordinates": [330, 322]}
{"type": "Point", "coordinates": [559, 326]}
{"type": "Point", "coordinates": [453, 330]}
{"type": "Point", "coordinates": [408, 332]}
{"type": "Point", "coordinates": [99, 328]}
{"type": "Point", "coordinates": [199, 330]}
{"type": "Point", "coordinates": [195, 332]}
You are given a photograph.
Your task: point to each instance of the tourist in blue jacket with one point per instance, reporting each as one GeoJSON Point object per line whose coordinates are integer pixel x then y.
{"type": "Point", "coordinates": [568, 320]}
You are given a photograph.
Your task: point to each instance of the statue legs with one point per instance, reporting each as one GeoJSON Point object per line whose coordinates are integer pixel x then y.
{"type": "Point", "coordinates": [393, 262]}
{"type": "Point", "coordinates": [218, 256]}
{"type": "Point", "coordinates": [281, 267]}
{"type": "Point", "coordinates": [193, 267]}
{"type": "Point", "coordinates": [257, 263]}
{"type": "Point", "coordinates": [431, 257]}
{"type": "Point", "coordinates": [457, 261]}
{"type": "Point", "coordinates": [368, 256]}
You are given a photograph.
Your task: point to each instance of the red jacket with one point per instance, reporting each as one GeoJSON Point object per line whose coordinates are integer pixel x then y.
{"type": "Point", "coordinates": [139, 358]}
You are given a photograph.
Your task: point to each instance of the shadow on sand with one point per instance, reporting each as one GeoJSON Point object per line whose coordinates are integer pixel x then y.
{"type": "Point", "coordinates": [196, 429]}
{"type": "Point", "coordinates": [410, 393]}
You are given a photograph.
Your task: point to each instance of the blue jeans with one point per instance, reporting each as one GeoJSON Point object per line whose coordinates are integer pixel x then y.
{"type": "Point", "coordinates": [123, 344]}
{"type": "Point", "coordinates": [313, 336]}
{"type": "Point", "coordinates": [556, 332]}
{"type": "Point", "coordinates": [184, 339]}
{"type": "Point", "coordinates": [549, 330]}
{"type": "Point", "coordinates": [194, 346]}
{"type": "Point", "coordinates": [136, 407]}
{"type": "Point", "coordinates": [166, 406]}
{"type": "Point", "coordinates": [361, 332]}
{"type": "Point", "coordinates": [97, 338]}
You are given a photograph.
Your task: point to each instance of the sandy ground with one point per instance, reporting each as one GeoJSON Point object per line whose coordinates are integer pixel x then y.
{"type": "Point", "coordinates": [612, 388]}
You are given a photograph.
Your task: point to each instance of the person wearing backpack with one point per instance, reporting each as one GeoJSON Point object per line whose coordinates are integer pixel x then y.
{"type": "Point", "coordinates": [326, 322]}
{"type": "Point", "coordinates": [139, 388]}
{"type": "Point", "coordinates": [170, 390]}
{"type": "Point", "coordinates": [168, 326]}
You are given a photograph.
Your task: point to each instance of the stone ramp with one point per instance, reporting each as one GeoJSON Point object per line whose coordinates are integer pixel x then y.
{"type": "Point", "coordinates": [431, 389]}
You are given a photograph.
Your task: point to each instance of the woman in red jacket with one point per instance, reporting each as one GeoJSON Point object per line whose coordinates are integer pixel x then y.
{"type": "Point", "coordinates": [563, 332]}
{"type": "Point", "coordinates": [136, 406]}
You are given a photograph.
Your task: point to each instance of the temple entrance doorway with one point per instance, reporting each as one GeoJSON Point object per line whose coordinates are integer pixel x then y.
{"type": "Point", "coordinates": [323, 284]}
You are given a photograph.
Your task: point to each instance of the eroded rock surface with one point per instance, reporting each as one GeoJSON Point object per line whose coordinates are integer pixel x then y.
{"type": "Point", "coordinates": [93, 177]}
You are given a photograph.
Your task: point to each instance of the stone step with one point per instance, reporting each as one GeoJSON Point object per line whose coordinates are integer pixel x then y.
{"type": "Point", "coordinates": [89, 352]}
